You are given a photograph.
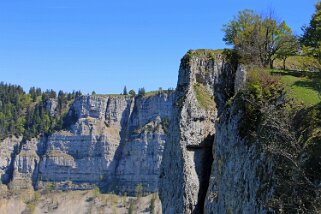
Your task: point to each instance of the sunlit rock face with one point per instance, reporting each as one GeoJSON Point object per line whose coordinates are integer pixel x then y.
{"type": "Point", "coordinates": [183, 144]}
{"type": "Point", "coordinates": [204, 83]}
{"type": "Point", "coordinates": [117, 144]}
{"type": "Point", "coordinates": [238, 177]}
{"type": "Point", "coordinates": [114, 142]}
{"type": "Point", "coordinates": [8, 149]}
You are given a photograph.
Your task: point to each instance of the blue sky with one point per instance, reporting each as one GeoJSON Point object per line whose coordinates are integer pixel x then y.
{"type": "Point", "coordinates": [103, 45]}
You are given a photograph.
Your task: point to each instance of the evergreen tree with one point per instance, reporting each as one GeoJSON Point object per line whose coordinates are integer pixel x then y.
{"type": "Point", "coordinates": [311, 38]}
{"type": "Point", "coordinates": [125, 91]}
{"type": "Point", "coordinates": [141, 91]}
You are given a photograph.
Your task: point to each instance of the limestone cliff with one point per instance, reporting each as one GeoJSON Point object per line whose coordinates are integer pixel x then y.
{"type": "Point", "coordinates": [204, 83]}
{"type": "Point", "coordinates": [185, 144]}
{"type": "Point", "coordinates": [238, 181]}
{"type": "Point", "coordinates": [8, 149]}
{"type": "Point", "coordinates": [114, 142]}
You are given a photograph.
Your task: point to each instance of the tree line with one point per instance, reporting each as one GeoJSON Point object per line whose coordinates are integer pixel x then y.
{"type": "Point", "coordinates": [26, 114]}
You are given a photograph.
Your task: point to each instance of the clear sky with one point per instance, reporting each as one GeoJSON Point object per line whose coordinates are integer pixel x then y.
{"type": "Point", "coordinates": [102, 45]}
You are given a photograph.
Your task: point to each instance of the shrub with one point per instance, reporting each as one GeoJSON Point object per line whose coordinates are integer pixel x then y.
{"type": "Point", "coordinates": [139, 190]}
{"type": "Point", "coordinates": [132, 92]}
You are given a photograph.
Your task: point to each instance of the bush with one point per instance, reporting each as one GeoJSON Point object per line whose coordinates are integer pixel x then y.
{"type": "Point", "coordinates": [132, 92]}
{"type": "Point", "coordinates": [139, 190]}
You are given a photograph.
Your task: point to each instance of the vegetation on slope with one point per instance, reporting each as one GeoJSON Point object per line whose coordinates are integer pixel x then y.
{"type": "Point", "coordinates": [281, 112]}
{"type": "Point", "coordinates": [26, 114]}
{"type": "Point", "coordinates": [288, 133]}
{"type": "Point", "coordinates": [204, 98]}
{"type": "Point", "coordinates": [298, 63]}
{"type": "Point", "coordinates": [202, 53]}
{"type": "Point", "coordinates": [304, 88]}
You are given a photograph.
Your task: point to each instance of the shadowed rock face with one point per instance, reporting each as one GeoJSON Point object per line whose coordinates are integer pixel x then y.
{"type": "Point", "coordinates": [116, 143]}
{"type": "Point", "coordinates": [203, 86]}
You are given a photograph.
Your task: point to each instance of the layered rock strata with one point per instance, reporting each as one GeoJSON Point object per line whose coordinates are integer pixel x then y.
{"type": "Point", "coordinates": [115, 142]}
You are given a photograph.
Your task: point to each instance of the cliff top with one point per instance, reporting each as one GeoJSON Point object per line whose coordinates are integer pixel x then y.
{"type": "Point", "coordinates": [204, 53]}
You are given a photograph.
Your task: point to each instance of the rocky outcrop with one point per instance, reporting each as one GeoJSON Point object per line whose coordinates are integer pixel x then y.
{"type": "Point", "coordinates": [83, 156]}
{"type": "Point", "coordinates": [8, 149]}
{"type": "Point", "coordinates": [143, 145]}
{"type": "Point", "coordinates": [240, 78]}
{"type": "Point", "coordinates": [204, 84]}
{"type": "Point", "coordinates": [26, 163]}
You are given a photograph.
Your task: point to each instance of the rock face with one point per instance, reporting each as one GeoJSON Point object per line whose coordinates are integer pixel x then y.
{"type": "Point", "coordinates": [8, 148]}
{"type": "Point", "coordinates": [207, 167]}
{"type": "Point", "coordinates": [184, 144]}
{"type": "Point", "coordinates": [114, 142]}
{"type": "Point", "coordinates": [203, 85]}
{"type": "Point", "coordinates": [26, 164]}
{"type": "Point", "coordinates": [236, 182]}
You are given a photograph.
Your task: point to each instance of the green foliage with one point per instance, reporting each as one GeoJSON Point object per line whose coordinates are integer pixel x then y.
{"type": "Point", "coordinates": [298, 63]}
{"type": "Point", "coordinates": [289, 138]}
{"type": "Point", "coordinates": [204, 98]}
{"type": "Point", "coordinates": [311, 38]}
{"type": "Point", "coordinates": [132, 92]}
{"type": "Point", "coordinates": [27, 114]}
{"type": "Point", "coordinates": [262, 89]}
{"type": "Point", "coordinates": [12, 105]}
{"type": "Point", "coordinates": [202, 53]}
{"type": "Point", "coordinates": [239, 26]}
{"type": "Point", "coordinates": [257, 39]}
{"type": "Point", "coordinates": [303, 88]}
{"type": "Point", "coordinates": [141, 92]}
{"type": "Point", "coordinates": [287, 49]}
{"type": "Point", "coordinates": [139, 190]}
{"type": "Point", "coordinates": [308, 123]}
{"type": "Point", "coordinates": [34, 93]}
{"type": "Point", "coordinates": [125, 91]}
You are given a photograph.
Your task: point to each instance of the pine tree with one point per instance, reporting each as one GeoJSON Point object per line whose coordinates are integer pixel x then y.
{"type": "Point", "coordinates": [125, 91]}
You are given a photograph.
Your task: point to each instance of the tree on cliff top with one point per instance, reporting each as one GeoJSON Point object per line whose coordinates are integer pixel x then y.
{"type": "Point", "coordinates": [258, 39]}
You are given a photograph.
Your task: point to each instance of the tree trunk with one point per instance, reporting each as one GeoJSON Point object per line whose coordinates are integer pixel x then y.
{"type": "Point", "coordinates": [284, 59]}
{"type": "Point", "coordinates": [271, 63]}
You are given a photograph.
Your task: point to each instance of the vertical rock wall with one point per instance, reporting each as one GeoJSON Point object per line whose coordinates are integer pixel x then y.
{"type": "Point", "coordinates": [203, 85]}
{"type": "Point", "coordinates": [236, 181]}
{"type": "Point", "coordinates": [8, 149]}
{"type": "Point", "coordinates": [116, 143]}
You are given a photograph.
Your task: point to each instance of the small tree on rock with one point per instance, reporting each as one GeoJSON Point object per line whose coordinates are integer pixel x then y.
{"type": "Point", "coordinates": [132, 92]}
